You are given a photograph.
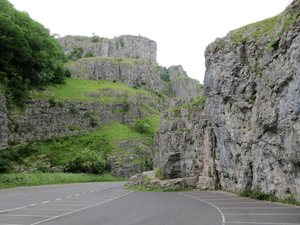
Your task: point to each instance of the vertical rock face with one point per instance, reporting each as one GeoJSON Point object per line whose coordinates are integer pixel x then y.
{"type": "Point", "coordinates": [176, 71]}
{"type": "Point", "coordinates": [249, 134]}
{"type": "Point", "coordinates": [126, 46]}
{"type": "Point", "coordinates": [3, 123]}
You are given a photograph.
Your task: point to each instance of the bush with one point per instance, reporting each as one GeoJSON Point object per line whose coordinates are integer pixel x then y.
{"type": "Point", "coordinates": [89, 54]}
{"type": "Point", "coordinates": [142, 126]}
{"type": "Point", "coordinates": [94, 120]}
{"type": "Point", "coordinates": [76, 53]}
{"type": "Point", "coordinates": [68, 73]}
{"type": "Point", "coordinates": [158, 173]}
{"type": "Point", "coordinates": [165, 76]}
{"type": "Point", "coordinates": [96, 38]}
{"type": "Point", "coordinates": [86, 161]}
{"type": "Point", "coordinates": [74, 109]}
{"type": "Point", "coordinates": [122, 41]}
{"type": "Point", "coordinates": [126, 105]}
{"type": "Point", "coordinates": [52, 101]}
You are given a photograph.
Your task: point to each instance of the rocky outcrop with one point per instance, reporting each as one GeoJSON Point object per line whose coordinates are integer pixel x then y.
{"type": "Point", "coordinates": [248, 136]}
{"type": "Point", "coordinates": [3, 123]}
{"type": "Point", "coordinates": [43, 119]}
{"type": "Point", "coordinates": [135, 158]}
{"type": "Point", "coordinates": [128, 71]}
{"type": "Point", "coordinates": [176, 71]}
{"type": "Point", "coordinates": [126, 46]}
{"type": "Point", "coordinates": [150, 182]}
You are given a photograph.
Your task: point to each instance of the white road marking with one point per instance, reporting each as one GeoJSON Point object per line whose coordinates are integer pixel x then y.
{"type": "Point", "coordinates": [235, 203]}
{"type": "Point", "coordinates": [223, 217]}
{"type": "Point", "coordinates": [257, 208]}
{"type": "Point", "coordinates": [76, 194]}
{"type": "Point", "coordinates": [77, 210]}
{"type": "Point", "coordinates": [33, 204]}
{"type": "Point", "coordinates": [26, 215]}
{"type": "Point", "coordinates": [262, 223]}
{"type": "Point", "coordinates": [45, 202]}
{"type": "Point", "coordinates": [69, 196]}
{"type": "Point", "coordinates": [57, 199]}
{"type": "Point", "coordinates": [48, 209]}
{"type": "Point", "coordinates": [260, 214]}
{"type": "Point", "coordinates": [8, 210]}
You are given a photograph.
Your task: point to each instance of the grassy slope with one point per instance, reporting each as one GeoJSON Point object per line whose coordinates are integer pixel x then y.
{"type": "Point", "coordinates": [76, 89]}
{"type": "Point", "coordinates": [59, 150]}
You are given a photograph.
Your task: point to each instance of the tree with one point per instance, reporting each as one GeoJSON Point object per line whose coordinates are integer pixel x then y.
{"type": "Point", "coordinates": [29, 55]}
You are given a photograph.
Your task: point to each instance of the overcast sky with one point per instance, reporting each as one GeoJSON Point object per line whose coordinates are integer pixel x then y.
{"type": "Point", "coordinates": [182, 29]}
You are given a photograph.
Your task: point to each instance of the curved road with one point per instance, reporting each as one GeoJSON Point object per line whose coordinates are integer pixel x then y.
{"type": "Point", "coordinates": [110, 204]}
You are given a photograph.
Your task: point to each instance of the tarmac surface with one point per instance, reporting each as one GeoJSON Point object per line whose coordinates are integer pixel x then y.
{"type": "Point", "coordinates": [109, 204]}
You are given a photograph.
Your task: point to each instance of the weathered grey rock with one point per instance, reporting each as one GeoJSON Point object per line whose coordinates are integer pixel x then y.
{"type": "Point", "coordinates": [131, 161]}
{"type": "Point", "coordinates": [3, 123]}
{"type": "Point", "coordinates": [239, 142]}
{"type": "Point", "coordinates": [42, 120]}
{"type": "Point", "coordinates": [150, 182]}
{"type": "Point", "coordinates": [134, 47]}
{"type": "Point", "coordinates": [176, 71]}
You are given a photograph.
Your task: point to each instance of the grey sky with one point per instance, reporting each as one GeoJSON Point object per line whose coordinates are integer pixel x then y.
{"type": "Point", "coordinates": [182, 29]}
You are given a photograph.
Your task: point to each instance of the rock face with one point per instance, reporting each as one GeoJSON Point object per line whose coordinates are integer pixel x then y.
{"type": "Point", "coordinates": [43, 120]}
{"type": "Point", "coordinates": [128, 71]}
{"type": "Point", "coordinates": [248, 136]}
{"type": "Point", "coordinates": [126, 46]}
{"type": "Point", "coordinates": [3, 123]}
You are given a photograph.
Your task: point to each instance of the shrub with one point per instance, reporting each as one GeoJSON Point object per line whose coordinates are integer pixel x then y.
{"type": "Point", "coordinates": [165, 76]}
{"type": "Point", "coordinates": [158, 173]}
{"type": "Point", "coordinates": [86, 161]}
{"type": "Point", "coordinates": [142, 126]}
{"type": "Point", "coordinates": [122, 41]}
{"type": "Point", "coordinates": [96, 38]}
{"type": "Point", "coordinates": [114, 80]}
{"type": "Point", "coordinates": [89, 54]}
{"type": "Point", "coordinates": [61, 104]}
{"type": "Point", "coordinates": [76, 53]}
{"type": "Point", "coordinates": [5, 166]}
{"type": "Point", "coordinates": [94, 120]}
{"type": "Point", "coordinates": [126, 105]}
{"type": "Point", "coordinates": [74, 109]}
{"type": "Point", "coordinates": [52, 101]}
{"type": "Point", "coordinates": [68, 73]}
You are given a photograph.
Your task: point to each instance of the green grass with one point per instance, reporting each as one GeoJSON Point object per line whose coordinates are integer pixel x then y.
{"type": "Point", "coordinates": [18, 180]}
{"type": "Point", "coordinates": [158, 173]}
{"type": "Point", "coordinates": [57, 151]}
{"type": "Point", "coordinates": [76, 89]}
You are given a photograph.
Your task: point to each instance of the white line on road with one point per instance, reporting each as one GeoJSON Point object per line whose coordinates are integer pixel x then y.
{"type": "Point", "coordinates": [57, 199]}
{"type": "Point", "coordinates": [260, 214]}
{"type": "Point", "coordinates": [27, 215]}
{"type": "Point", "coordinates": [8, 210]}
{"type": "Point", "coordinates": [69, 196]}
{"type": "Point", "coordinates": [77, 210]}
{"type": "Point", "coordinates": [33, 204]}
{"type": "Point", "coordinates": [262, 223]}
{"type": "Point", "coordinates": [223, 217]}
{"type": "Point", "coordinates": [45, 202]}
{"type": "Point", "coordinates": [257, 207]}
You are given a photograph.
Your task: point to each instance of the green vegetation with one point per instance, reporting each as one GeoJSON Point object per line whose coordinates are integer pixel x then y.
{"type": "Point", "coordinates": [96, 38]}
{"type": "Point", "coordinates": [267, 197]}
{"type": "Point", "coordinates": [76, 53]}
{"type": "Point", "coordinates": [89, 54]}
{"type": "Point", "coordinates": [86, 161]}
{"type": "Point", "coordinates": [77, 89]}
{"type": "Point", "coordinates": [17, 180]}
{"type": "Point", "coordinates": [57, 151]}
{"type": "Point", "coordinates": [29, 55]}
{"type": "Point", "coordinates": [251, 98]}
{"type": "Point", "coordinates": [158, 173]}
{"type": "Point", "coordinates": [165, 77]}
{"type": "Point", "coordinates": [142, 126]}
{"type": "Point", "coordinates": [122, 42]}
{"type": "Point", "coordinates": [259, 29]}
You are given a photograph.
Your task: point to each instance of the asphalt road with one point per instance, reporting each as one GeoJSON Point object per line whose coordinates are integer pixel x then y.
{"type": "Point", "coordinates": [110, 204]}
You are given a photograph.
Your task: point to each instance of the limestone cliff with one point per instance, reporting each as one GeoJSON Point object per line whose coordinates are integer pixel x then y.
{"type": "Point", "coordinates": [126, 46]}
{"type": "Point", "coordinates": [248, 136]}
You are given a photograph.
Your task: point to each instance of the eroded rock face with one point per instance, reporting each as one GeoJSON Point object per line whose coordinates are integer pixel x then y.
{"type": "Point", "coordinates": [43, 120]}
{"type": "Point", "coordinates": [126, 46]}
{"type": "Point", "coordinates": [249, 133]}
{"type": "Point", "coordinates": [3, 123]}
